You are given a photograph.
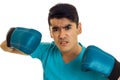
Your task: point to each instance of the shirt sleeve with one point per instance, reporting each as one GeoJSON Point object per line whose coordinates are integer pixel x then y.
{"type": "Point", "coordinates": [42, 51]}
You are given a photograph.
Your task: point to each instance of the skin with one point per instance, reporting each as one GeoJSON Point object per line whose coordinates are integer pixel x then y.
{"type": "Point", "coordinates": [11, 50]}
{"type": "Point", "coordinates": [65, 34]}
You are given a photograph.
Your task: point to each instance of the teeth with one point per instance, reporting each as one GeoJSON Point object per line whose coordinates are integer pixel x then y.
{"type": "Point", "coordinates": [64, 42]}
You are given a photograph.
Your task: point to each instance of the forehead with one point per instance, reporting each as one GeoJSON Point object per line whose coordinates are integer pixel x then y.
{"type": "Point", "coordinates": [60, 22]}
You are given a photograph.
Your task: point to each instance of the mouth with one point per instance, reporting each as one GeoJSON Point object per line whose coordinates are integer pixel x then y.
{"type": "Point", "coordinates": [64, 43]}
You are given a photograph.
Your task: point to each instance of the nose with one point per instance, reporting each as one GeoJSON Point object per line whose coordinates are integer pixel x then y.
{"type": "Point", "coordinates": [62, 33]}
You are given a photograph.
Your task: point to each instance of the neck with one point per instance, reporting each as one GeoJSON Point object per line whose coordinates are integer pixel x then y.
{"type": "Point", "coordinates": [69, 56]}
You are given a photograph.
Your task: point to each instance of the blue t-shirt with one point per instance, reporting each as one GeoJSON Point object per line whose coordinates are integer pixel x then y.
{"type": "Point", "coordinates": [56, 69]}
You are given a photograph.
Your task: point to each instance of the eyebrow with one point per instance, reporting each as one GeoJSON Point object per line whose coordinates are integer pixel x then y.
{"type": "Point", "coordinates": [68, 25]}
{"type": "Point", "coordinates": [58, 26]}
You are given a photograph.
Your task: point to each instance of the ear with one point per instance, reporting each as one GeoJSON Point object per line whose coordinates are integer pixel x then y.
{"type": "Point", "coordinates": [79, 28]}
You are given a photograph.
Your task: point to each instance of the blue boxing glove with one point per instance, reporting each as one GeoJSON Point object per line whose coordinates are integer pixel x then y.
{"type": "Point", "coordinates": [23, 39]}
{"type": "Point", "coordinates": [95, 59]}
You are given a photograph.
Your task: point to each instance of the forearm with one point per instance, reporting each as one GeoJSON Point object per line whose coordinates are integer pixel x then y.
{"type": "Point", "coordinates": [8, 49]}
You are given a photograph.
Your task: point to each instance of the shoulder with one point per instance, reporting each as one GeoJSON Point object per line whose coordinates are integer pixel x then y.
{"type": "Point", "coordinates": [45, 47]}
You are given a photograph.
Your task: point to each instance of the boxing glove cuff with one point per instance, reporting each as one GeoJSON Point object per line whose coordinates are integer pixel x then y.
{"type": "Point", "coordinates": [95, 59]}
{"type": "Point", "coordinates": [115, 72]}
{"type": "Point", "coordinates": [9, 36]}
{"type": "Point", "coordinates": [23, 39]}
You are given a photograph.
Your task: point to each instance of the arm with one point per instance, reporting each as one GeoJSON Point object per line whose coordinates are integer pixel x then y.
{"type": "Point", "coordinates": [102, 62]}
{"type": "Point", "coordinates": [8, 49]}
{"type": "Point", "coordinates": [21, 40]}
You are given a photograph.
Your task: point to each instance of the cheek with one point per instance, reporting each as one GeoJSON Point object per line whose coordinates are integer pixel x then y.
{"type": "Point", "coordinates": [73, 37]}
{"type": "Point", "coordinates": [73, 34]}
{"type": "Point", "coordinates": [55, 37]}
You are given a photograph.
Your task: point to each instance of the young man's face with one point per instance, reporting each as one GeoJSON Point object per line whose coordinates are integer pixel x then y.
{"type": "Point", "coordinates": [64, 32]}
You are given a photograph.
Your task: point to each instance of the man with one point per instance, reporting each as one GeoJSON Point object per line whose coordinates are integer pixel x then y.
{"type": "Point", "coordinates": [62, 58]}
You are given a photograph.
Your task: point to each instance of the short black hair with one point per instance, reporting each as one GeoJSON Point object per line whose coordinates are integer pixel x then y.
{"type": "Point", "coordinates": [63, 10]}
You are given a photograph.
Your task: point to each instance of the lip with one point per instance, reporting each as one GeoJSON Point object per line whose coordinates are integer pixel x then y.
{"type": "Point", "coordinates": [63, 43]}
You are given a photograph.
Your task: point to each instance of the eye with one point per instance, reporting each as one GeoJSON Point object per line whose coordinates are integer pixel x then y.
{"type": "Point", "coordinates": [54, 29]}
{"type": "Point", "coordinates": [67, 27]}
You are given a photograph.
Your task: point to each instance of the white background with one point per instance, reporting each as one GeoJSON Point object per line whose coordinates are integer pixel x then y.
{"type": "Point", "coordinates": [100, 26]}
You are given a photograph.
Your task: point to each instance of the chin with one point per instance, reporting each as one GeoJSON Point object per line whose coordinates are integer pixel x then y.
{"type": "Point", "coordinates": [64, 50]}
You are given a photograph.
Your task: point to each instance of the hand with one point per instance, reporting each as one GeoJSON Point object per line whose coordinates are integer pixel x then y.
{"type": "Point", "coordinates": [102, 62]}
